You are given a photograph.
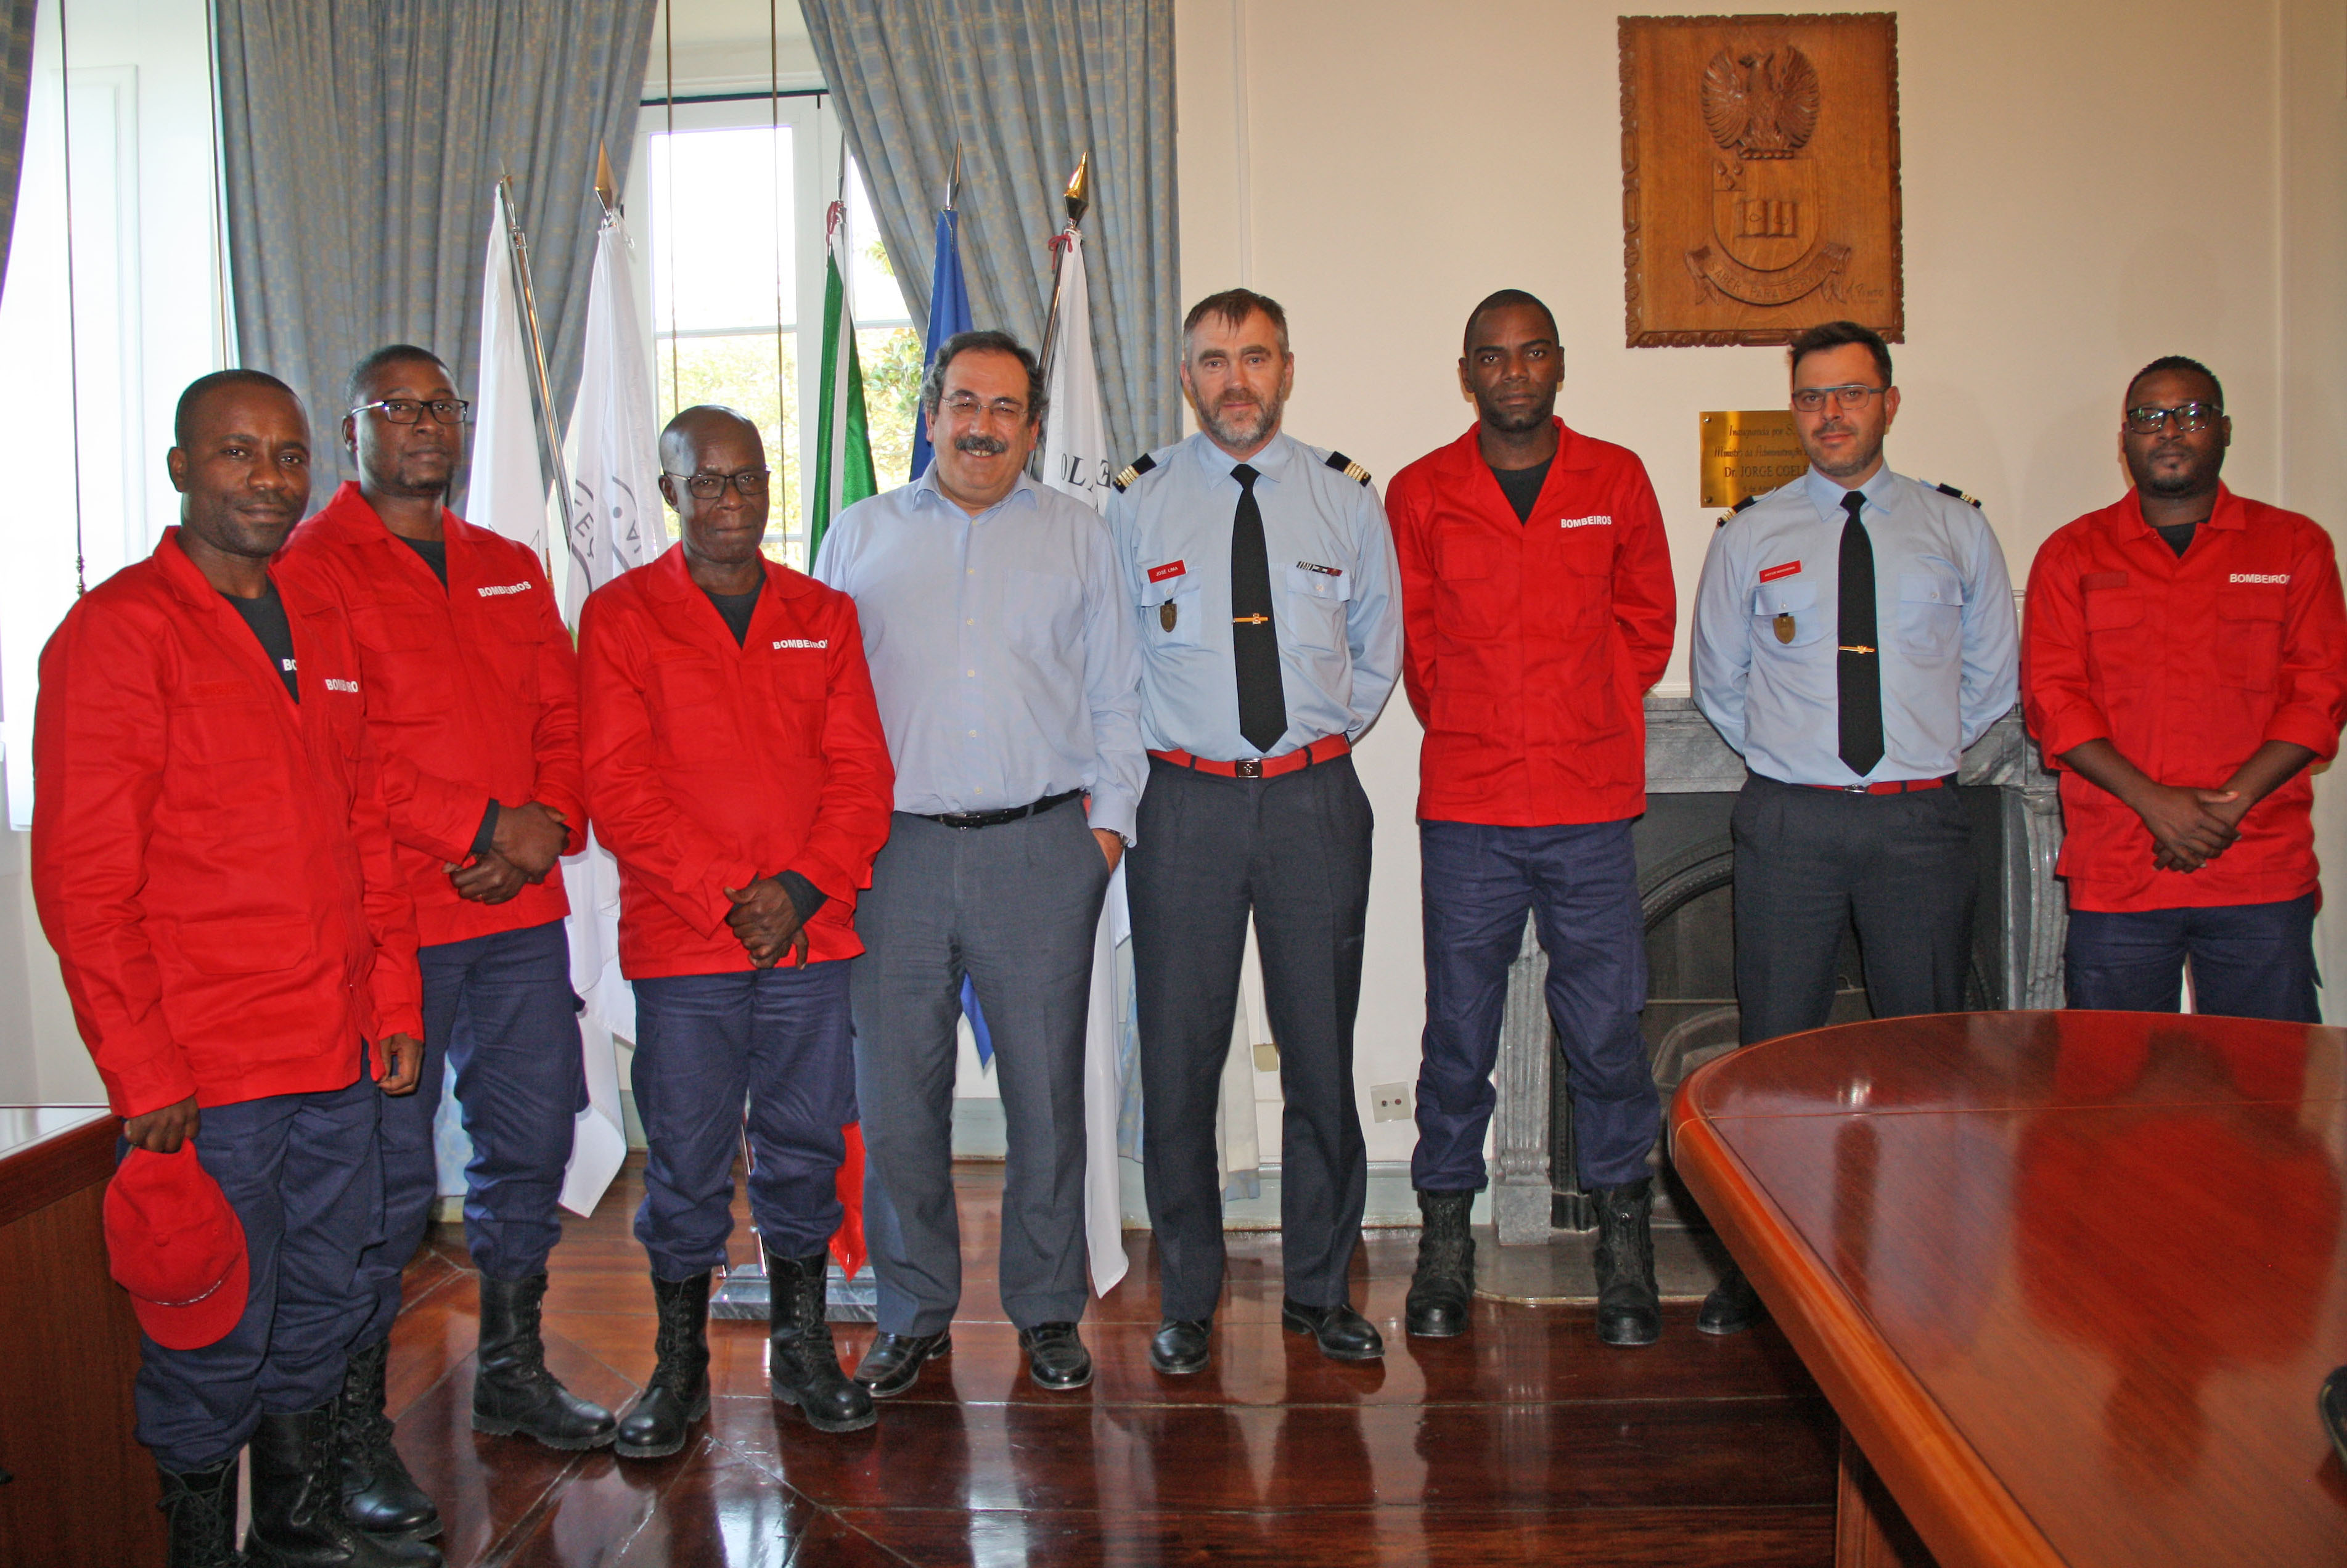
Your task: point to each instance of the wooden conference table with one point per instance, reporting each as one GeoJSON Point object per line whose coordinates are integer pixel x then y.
{"type": "Point", "coordinates": [2071, 1279]}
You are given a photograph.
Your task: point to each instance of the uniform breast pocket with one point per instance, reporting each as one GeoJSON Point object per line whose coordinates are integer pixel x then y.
{"type": "Point", "coordinates": [2249, 635]}
{"type": "Point", "coordinates": [1316, 599]}
{"type": "Point", "coordinates": [689, 707]}
{"type": "Point", "coordinates": [409, 657]}
{"type": "Point", "coordinates": [1471, 592]}
{"type": "Point", "coordinates": [1785, 615]}
{"type": "Point", "coordinates": [220, 724]}
{"type": "Point", "coordinates": [2114, 636]}
{"type": "Point", "coordinates": [1931, 616]}
{"type": "Point", "coordinates": [1172, 612]}
{"type": "Point", "coordinates": [511, 643]}
{"type": "Point", "coordinates": [800, 689]}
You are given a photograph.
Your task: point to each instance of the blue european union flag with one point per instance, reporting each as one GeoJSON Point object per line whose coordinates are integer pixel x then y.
{"type": "Point", "coordinates": [948, 315]}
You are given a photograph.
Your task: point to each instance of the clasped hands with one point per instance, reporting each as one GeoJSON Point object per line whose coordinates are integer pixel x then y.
{"type": "Point", "coordinates": [529, 838]}
{"type": "Point", "coordinates": [2189, 827]}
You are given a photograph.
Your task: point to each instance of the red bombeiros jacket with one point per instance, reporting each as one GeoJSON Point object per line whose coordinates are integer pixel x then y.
{"type": "Point", "coordinates": [709, 766]}
{"type": "Point", "coordinates": [472, 693]}
{"type": "Point", "coordinates": [2187, 664]}
{"type": "Point", "coordinates": [1530, 646]}
{"type": "Point", "coordinates": [210, 861]}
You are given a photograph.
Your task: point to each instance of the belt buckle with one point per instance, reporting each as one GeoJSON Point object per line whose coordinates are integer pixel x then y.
{"type": "Point", "coordinates": [1248, 767]}
{"type": "Point", "coordinates": [1857, 789]}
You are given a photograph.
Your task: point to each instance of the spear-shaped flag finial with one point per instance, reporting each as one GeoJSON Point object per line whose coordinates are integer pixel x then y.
{"type": "Point", "coordinates": [953, 181]}
{"type": "Point", "coordinates": [1079, 188]}
{"type": "Point", "coordinates": [607, 188]}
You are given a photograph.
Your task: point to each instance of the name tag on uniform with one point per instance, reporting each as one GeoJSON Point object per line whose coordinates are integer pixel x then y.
{"type": "Point", "coordinates": [1584, 522]}
{"type": "Point", "coordinates": [505, 589]}
{"type": "Point", "coordinates": [803, 643]}
{"type": "Point", "coordinates": [2261, 577]}
{"type": "Point", "coordinates": [1771, 573]}
{"type": "Point", "coordinates": [1170, 569]}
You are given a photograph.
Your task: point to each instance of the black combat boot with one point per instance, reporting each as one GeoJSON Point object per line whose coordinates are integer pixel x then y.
{"type": "Point", "coordinates": [1732, 1307]}
{"type": "Point", "coordinates": [800, 1364]}
{"type": "Point", "coordinates": [297, 1503]}
{"type": "Point", "coordinates": [378, 1494]}
{"type": "Point", "coordinates": [677, 1395]}
{"type": "Point", "coordinates": [200, 1516]}
{"type": "Point", "coordinates": [512, 1389]}
{"type": "Point", "coordinates": [1629, 1307]}
{"type": "Point", "coordinates": [1442, 1291]}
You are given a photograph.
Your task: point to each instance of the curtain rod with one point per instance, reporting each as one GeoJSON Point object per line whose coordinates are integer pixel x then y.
{"type": "Point", "coordinates": [734, 98]}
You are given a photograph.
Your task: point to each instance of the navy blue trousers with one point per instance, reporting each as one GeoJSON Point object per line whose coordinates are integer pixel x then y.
{"type": "Point", "coordinates": [2249, 960]}
{"type": "Point", "coordinates": [501, 1009]}
{"type": "Point", "coordinates": [304, 1177]}
{"type": "Point", "coordinates": [777, 1039]}
{"type": "Point", "coordinates": [1580, 884]}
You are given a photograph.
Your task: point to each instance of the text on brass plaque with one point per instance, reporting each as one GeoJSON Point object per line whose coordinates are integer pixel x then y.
{"type": "Point", "coordinates": [1748, 452]}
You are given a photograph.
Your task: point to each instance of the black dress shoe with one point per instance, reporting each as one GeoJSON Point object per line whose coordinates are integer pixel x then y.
{"type": "Point", "coordinates": [1732, 1307]}
{"type": "Point", "coordinates": [2333, 1403]}
{"type": "Point", "coordinates": [895, 1360]}
{"type": "Point", "coordinates": [1344, 1334]}
{"type": "Point", "coordinates": [1179, 1346]}
{"type": "Point", "coordinates": [1056, 1359]}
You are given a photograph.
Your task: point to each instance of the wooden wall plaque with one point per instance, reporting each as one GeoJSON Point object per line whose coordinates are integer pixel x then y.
{"type": "Point", "coordinates": [1759, 177]}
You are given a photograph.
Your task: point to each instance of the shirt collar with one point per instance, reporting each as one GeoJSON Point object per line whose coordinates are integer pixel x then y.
{"type": "Point", "coordinates": [1882, 492]}
{"type": "Point", "coordinates": [1270, 463]}
{"type": "Point", "coordinates": [2126, 518]}
{"type": "Point", "coordinates": [925, 489]}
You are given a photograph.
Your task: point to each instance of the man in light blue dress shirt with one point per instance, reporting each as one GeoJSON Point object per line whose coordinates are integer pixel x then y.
{"type": "Point", "coordinates": [1854, 632]}
{"type": "Point", "coordinates": [1002, 652]}
{"type": "Point", "coordinates": [1260, 575]}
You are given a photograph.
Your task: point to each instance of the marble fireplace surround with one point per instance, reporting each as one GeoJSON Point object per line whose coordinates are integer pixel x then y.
{"type": "Point", "coordinates": [2023, 909]}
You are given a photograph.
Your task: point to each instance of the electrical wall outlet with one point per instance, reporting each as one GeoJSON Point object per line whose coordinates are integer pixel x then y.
{"type": "Point", "coordinates": [1389, 1101]}
{"type": "Point", "coordinates": [1266, 1058]}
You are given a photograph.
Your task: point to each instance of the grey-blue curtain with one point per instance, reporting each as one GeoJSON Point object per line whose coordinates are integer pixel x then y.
{"type": "Point", "coordinates": [363, 143]}
{"type": "Point", "coordinates": [16, 85]}
{"type": "Point", "coordinates": [1026, 87]}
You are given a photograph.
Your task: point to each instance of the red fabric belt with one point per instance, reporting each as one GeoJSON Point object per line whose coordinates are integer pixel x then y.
{"type": "Point", "coordinates": [1885, 786]}
{"type": "Point", "coordinates": [1327, 748]}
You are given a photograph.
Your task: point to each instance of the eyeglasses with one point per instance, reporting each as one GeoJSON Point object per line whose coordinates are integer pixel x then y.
{"type": "Point", "coordinates": [2188, 417]}
{"type": "Point", "coordinates": [408, 410]}
{"type": "Point", "coordinates": [963, 405]}
{"type": "Point", "coordinates": [1809, 399]}
{"type": "Point", "coordinates": [751, 483]}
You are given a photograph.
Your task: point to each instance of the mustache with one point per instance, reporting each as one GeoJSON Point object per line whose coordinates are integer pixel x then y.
{"type": "Point", "coordinates": [979, 445]}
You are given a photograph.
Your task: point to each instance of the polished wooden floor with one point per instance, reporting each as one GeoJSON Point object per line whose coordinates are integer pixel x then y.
{"type": "Point", "coordinates": [1525, 1441]}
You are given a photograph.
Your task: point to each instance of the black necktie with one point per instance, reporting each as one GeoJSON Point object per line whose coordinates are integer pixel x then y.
{"type": "Point", "coordinates": [1859, 665]}
{"type": "Point", "coordinates": [1254, 638]}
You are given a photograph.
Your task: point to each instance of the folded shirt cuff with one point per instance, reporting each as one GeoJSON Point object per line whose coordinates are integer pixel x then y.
{"type": "Point", "coordinates": [484, 837]}
{"type": "Point", "coordinates": [804, 894]}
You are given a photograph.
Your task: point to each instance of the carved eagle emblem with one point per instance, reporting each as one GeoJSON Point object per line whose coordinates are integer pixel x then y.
{"type": "Point", "coordinates": [1760, 103]}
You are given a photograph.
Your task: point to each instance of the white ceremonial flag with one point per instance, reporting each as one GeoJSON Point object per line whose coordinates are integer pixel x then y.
{"type": "Point", "coordinates": [507, 491]}
{"type": "Point", "coordinates": [1075, 459]}
{"type": "Point", "coordinates": [616, 524]}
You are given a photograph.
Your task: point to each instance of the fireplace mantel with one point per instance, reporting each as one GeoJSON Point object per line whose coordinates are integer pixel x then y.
{"type": "Point", "coordinates": [1684, 755]}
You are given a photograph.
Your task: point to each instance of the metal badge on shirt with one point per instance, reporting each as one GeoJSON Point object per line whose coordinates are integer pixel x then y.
{"type": "Point", "coordinates": [1166, 612]}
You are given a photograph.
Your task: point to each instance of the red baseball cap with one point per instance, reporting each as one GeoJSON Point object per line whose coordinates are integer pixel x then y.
{"type": "Point", "coordinates": [177, 1247]}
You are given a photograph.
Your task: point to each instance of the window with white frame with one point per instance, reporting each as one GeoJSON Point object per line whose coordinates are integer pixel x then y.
{"type": "Point", "coordinates": [734, 193]}
{"type": "Point", "coordinates": [114, 303]}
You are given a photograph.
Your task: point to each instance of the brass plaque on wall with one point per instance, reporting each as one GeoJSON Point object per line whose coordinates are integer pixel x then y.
{"type": "Point", "coordinates": [1748, 452]}
{"type": "Point", "coordinates": [1759, 177]}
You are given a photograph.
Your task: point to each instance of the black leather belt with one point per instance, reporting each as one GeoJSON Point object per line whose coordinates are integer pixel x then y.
{"type": "Point", "coordinates": [969, 819]}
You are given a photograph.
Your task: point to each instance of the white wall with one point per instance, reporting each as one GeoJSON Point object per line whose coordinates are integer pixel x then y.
{"type": "Point", "coordinates": [142, 75]}
{"type": "Point", "coordinates": [2085, 189]}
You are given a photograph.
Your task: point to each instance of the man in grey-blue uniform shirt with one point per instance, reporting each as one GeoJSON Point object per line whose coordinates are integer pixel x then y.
{"type": "Point", "coordinates": [1262, 574]}
{"type": "Point", "coordinates": [1854, 632]}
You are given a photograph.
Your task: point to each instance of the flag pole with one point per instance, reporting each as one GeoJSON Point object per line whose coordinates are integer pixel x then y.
{"type": "Point", "coordinates": [518, 249]}
{"type": "Point", "coordinates": [1080, 201]}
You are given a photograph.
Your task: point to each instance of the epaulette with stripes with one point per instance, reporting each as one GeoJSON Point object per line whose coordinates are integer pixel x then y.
{"type": "Point", "coordinates": [1347, 467]}
{"type": "Point", "coordinates": [1971, 501]}
{"type": "Point", "coordinates": [1746, 501]}
{"type": "Point", "coordinates": [1131, 471]}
